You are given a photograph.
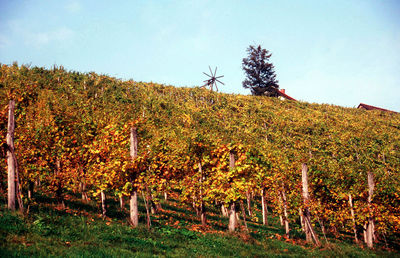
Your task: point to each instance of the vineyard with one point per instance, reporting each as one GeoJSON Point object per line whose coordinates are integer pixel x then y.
{"type": "Point", "coordinates": [324, 170]}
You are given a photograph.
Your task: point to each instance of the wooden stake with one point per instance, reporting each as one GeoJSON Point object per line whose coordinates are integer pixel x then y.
{"type": "Point", "coordinates": [121, 202]}
{"type": "Point", "coordinates": [202, 206]}
{"type": "Point", "coordinates": [370, 225]}
{"type": "Point", "coordinates": [264, 207]}
{"type": "Point", "coordinates": [165, 195]}
{"type": "Point", "coordinates": [133, 204]}
{"type": "Point", "coordinates": [83, 191]}
{"type": "Point", "coordinates": [280, 208]}
{"type": "Point", "coordinates": [232, 210]}
{"type": "Point", "coordinates": [10, 157]}
{"type": "Point", "coordinates": [309, 230]}
{"type": "Point", "coordinates": [103, 203]}
{"type": "Point", "coordinates": [232, 218]}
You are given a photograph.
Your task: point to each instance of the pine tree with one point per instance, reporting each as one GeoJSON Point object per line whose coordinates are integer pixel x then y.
{"type": "Point", "coordinates": [260, 73]}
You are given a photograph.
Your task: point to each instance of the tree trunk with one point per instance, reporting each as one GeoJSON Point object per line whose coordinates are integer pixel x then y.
{"type": "Point", "coordinates": [285, 213]}
{"type": "Point", "coordinates": [18, 187]}
{"type": "Point", "coordinates": [83, 191]}
{"type": "Point", "coordinates": [244, 215]}
{"type": "Point", "coordinates": [38, 182]}
{"type": "Point", "coordinates": [301, 220]}
{"type": "Point", "coordinates": [353, 218]}
{"type": "Point", "coordinates": [370, 225]}
{"type": "Point", "coordinates": [280, 209]}
{"type": "Point", "coordinates": [133, 204]}
{"type": "Point", "coordinates": [365, 232]}
{"type": "Point", "coordinates": [103, 203]}
{"type": "Point", "coordinates": [195, 206]}
{"type": "Point", "coordinates": [248, 196]}
{"type": "Point", "coordinates": [224, 210]}
{"type": "Point", "coordinates": [309, 230]}
{"type": "Point", "coordinates": [59, 190]}
{"type": "Point", "coordinates": [121, 202]}
{"type": "Point", "coordinates": [30, 189]}
{"type": "Point", "coordinates": [157, 205]}
{"type": "Point", "coordinates": [203, 214]}
{"type": "Point", "coordinates": [165, 195]}
{"type": "Point", "coordinates": [153, 207]}
{"type": "Point", "coordinates": [146, 200]}
{"type": "Point", "coordinates": [10, 157]}
{"type": "Point", "coordinates": [321, 223]}
{"type": "Point", "coordinates": [232, 218]}
{"type": "Point", "coordinates": [264, 207]}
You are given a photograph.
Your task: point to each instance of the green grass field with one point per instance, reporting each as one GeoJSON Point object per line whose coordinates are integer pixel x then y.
{"type": "Point", "coordinates": [79, 231]}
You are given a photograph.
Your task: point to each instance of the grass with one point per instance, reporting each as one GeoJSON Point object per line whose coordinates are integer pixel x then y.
{"type": "Point", "coordinates": [79, 231]}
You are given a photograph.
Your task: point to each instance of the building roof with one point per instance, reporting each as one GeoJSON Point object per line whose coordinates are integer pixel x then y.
{"type": "Point", "coordinates": [369, 107]}
{"type": "Point", "coordinates": [283, 95]}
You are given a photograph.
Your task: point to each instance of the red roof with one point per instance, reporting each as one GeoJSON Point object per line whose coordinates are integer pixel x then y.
{"type": "Point", "coordinates": [283, 94]}
{"type": "Point", "coordinates": [369, 107]}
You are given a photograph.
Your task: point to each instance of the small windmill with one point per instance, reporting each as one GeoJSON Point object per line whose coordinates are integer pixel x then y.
{"type": "Point", "coordinates": [213, 79]}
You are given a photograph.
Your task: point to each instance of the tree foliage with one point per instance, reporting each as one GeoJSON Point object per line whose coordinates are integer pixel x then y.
{"type": "Point", "coordinates": [260, 73]}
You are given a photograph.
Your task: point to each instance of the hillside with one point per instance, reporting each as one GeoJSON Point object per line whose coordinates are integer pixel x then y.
{"type": "Point", "coordinates": [206, 149]}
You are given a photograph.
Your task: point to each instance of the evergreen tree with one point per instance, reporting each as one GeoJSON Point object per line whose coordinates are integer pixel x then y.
{"type": "Point", "coordinates": [260, 73]}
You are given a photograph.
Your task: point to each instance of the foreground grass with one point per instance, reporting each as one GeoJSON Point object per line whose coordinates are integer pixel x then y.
{"type": "Point", "coordinates": [49, 231]}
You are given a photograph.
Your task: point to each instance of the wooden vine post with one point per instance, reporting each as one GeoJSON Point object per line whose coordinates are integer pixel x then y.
{"type": "Point", "coordinates": [309, 230]}
{"type": "Point", "coordinates": [133, 203]}
{"type": "Point", "coordinates": [202, 206]}
{"type": "Point", "coordinates": [264, 207]}
{"type": "Point", "coordinates": [121, 202]}
{"type": "Point", "coordinates": [370, 223]}
{"type": "Point", "coordinates": [10, 157]}
{"type": "Point", "coordinates": [103, 203]}
{"type": "Point", "coordinates": [232, 208]}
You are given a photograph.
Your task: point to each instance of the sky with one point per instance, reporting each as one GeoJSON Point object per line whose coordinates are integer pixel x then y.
{"type": "Point", "coordinates": [341, 52]}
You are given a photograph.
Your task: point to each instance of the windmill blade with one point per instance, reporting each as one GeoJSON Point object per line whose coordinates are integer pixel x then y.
{"type": "Point", "coordinates": [215, 72]}
{"type": "Point", "coordinates": [211, 71]}
{"type": "Point", "coordinates": [220, 82]}
{"type": "Point", "coordinates": [219, 77]}
{"type": "Point", "coordinates": [207, 75]}
{"type": "Point", "coordinates": [216, 87]}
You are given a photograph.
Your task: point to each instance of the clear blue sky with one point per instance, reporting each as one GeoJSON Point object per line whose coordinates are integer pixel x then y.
{"type": "Point", "coordinates": [340, 52]}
